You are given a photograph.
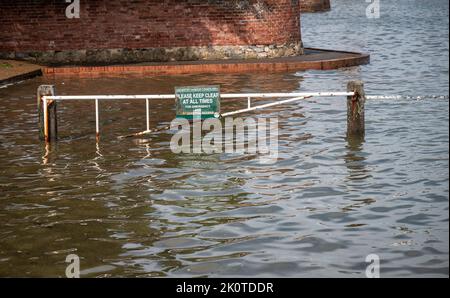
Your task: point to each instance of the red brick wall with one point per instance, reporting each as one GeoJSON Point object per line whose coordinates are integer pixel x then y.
{"type": "Point", "coordinates": [315, 5]}
{"type": "Point", "coordinates": [39, 25]}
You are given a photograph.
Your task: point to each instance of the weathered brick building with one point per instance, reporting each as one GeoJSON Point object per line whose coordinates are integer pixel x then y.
{"type": "Point", "coordinates": [118, 31]}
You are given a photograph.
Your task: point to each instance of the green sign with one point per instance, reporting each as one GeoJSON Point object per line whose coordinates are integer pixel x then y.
{"type": "Point", "coordinates": [191, 102]}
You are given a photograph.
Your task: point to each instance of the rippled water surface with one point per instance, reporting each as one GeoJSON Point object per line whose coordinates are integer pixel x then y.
{"type": "Point", "coordinates": [133, 208]}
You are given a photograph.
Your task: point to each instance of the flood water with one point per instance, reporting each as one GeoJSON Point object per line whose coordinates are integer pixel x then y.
{"type": "Point", "coordinates": [132, 208]}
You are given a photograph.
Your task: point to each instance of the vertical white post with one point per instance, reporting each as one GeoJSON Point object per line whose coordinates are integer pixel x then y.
{"type": "Point", "coordinates": [249, 102]}
{"type": "Point", "coordinates": [45, 108]}
{"type": "Point", "coordinates": [147, 104]}
{"type": "Point", "coordinates": [97, 125]}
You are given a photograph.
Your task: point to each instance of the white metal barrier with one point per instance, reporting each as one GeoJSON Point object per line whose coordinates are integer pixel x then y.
{"type": "Point", "coordinates": [46, 98]}
{"type": "Point", "coordinates": [248, 96]}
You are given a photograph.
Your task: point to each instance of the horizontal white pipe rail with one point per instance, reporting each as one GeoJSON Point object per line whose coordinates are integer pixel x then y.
{"type": "Point", "coordinates": [231, 96]}
{"type": "Point", "coordinates": [172, 96]}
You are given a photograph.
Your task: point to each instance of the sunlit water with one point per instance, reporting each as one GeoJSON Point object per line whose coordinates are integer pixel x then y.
{"type": "Point", "coordinates": [133, 208]}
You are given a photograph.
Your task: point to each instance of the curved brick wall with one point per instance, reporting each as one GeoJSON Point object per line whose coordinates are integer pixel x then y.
{"type": "Point", "coordinates": [315, 5]}
{"type": "Point", "coordinates": [118, 31]}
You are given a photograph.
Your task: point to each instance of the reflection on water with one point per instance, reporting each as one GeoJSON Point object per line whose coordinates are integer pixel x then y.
{"type": "Point", "coordinates": [355, 159]}
{"type": "Point", "coordinates": [131, 207]}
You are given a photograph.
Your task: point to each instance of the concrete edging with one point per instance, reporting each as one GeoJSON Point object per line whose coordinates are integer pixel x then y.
{"type": "Point", "coordinates": [317, 59]}
{"type": "Point", "coordinates": [21, 77]}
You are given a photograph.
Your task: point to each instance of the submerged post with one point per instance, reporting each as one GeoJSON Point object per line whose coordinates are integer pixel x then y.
{"type": "Point", "coordinates": [355, 109]}
{"type": "Point", "coordinates": [48, 123]}
{"type": "Point", "coordinates": [97, 123]}
{"type": "Point", "coordinates": [147, 113]}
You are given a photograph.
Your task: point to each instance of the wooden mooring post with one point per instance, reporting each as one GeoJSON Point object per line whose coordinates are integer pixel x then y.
{"type": "Point", "coordinates": [48, 123]}
{"type": "Point", "coordinates": [355, 110]}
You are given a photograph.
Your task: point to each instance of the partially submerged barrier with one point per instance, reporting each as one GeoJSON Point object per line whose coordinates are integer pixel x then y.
{"type": "Point", "coordinates": [47, 106]}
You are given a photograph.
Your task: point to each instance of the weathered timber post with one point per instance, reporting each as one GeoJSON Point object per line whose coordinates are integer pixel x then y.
{"type": "Point", "coordinates": [48, 123]}
{"type": "Point", "coordinates": [355, 109]}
